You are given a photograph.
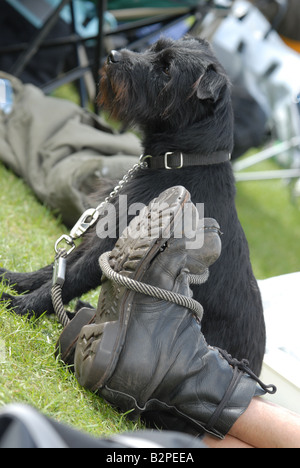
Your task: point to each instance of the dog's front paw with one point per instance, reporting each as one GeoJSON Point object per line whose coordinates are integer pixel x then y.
{"type": "Point", "coordinates": [14, 304]}
{"type": "Point", "coordinates": [5, 277]}
{"type": "Point", "coordinates": [21, 305]}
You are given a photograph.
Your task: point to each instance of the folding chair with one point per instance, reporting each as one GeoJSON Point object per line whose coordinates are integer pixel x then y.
{"type": "Point", "coordinates": [43, 16]}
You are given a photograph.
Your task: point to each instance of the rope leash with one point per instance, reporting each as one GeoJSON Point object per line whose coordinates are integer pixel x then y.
{"type": "Point", "coordinates": [85, 222]}
{"type": "Point", "coordinates": [133, 285]}
{"type": "Point", "coordinates": [153, 291]}
{"type": "Point", "coordinates": [59, 274]}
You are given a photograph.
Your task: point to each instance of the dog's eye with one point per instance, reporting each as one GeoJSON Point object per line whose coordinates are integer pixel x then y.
{"type": "Point", "coordinates": [167, 70]}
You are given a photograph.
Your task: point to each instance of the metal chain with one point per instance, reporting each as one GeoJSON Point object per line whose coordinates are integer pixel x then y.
{"type": "Point", "coordinates": [91, 216]}
{"type": "Point", "coordinates": [85, 222]}
{"type": "Point", "coordinates": [121, 184]}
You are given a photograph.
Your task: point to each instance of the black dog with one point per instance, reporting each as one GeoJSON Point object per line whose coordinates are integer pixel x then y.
{"type": "Point", "coordinates": [179, 95]}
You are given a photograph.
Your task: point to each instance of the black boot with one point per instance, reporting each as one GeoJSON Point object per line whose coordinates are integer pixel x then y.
{"type": "Point", "coordinates": [145, 352]}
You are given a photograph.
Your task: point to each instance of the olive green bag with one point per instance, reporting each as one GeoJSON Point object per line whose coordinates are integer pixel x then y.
{"type": "Point", "coordinates": [63, 152]}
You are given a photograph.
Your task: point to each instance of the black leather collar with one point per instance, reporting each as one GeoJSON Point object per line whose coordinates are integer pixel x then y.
{"type": "Point", "coordinates": [177, 160]}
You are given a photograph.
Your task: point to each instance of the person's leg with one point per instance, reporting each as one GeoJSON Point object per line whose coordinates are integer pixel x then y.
{"type": "Point", "coordinates": [265, 424]}
{"type": "Point", "coordinates": [228, 442]}
{"type": "Point", "coordinates": [262, 425]}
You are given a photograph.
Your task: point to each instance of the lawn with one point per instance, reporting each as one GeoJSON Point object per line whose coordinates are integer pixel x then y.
{"type": "Point", "coordinates": [29, 371]}
{"type": "Point", "coordinates": [270, 216]}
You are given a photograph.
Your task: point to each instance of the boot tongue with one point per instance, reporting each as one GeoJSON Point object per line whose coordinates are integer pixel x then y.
{"type": "Point", "coordinates": [177, 259]}
{"type": "Point", "coordinates": [208, 237]}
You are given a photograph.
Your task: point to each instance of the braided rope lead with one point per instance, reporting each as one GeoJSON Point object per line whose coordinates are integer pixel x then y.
{"type": "Point", "coordinates": [153, 291]}
{"type": "Point", "coordinates": [169, 296]}
{"type": "Point", "coordinates": [56, 290]}
{"type": "Point", "coordinates": [58, 305]}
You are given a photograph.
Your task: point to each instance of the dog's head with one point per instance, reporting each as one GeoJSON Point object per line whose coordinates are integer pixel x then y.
{"type": "Point", "coordinates": [170, 86]}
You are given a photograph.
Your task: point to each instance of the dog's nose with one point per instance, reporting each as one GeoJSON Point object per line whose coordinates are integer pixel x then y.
{"type": "Point", "coordinates": [114, 57]}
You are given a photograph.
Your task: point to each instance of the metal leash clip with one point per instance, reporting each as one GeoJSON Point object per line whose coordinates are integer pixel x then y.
{"type": "Point", "coordinates": [69, 240]}
{"type": "Point", "coordinates": [59, 271]}
{"type": "Point", "coordinates": [91, 216]}
{"type": "Point", "coordinates": [87, 220]}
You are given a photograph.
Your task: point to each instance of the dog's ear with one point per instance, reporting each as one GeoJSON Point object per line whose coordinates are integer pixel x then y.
{"type": "Point", "coordinates": [210, 84]}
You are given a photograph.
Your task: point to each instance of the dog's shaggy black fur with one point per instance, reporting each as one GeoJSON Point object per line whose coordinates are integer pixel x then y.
{"type": "Point", "coordinates": [179, 96]}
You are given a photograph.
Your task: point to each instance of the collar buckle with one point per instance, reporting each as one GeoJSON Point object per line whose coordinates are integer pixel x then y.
{"type": "Point", "coordinates": [166, 160]}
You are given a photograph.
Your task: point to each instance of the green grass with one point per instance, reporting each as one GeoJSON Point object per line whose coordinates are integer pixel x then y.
{"type": "Point", "coordinates": [30, 374]}
{"type": "Point", "coordinates": [29, 371]}
{"type": "Point", "coordinates": [271, 220]}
